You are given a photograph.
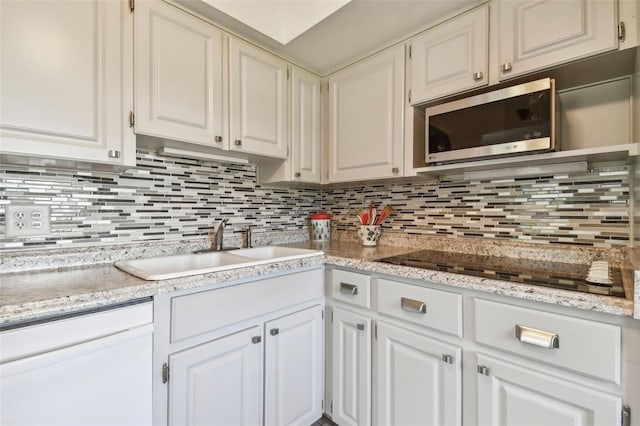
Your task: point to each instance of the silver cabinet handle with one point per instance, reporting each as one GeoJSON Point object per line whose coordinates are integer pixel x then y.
{"type": "Point", "coordinates": [218, 138]}
{"type": "Point", "coordinates": [411, 305]}
{"type": "Point", "coordinates": [536, 337]}
{"type": "Point", "coordinates": [395, 170]}
{"type": "Point", "coordinates": [113, 153]}
{"type": "Point", "coordinates": [447, 358]}
{"type": "Point", "coordinates": [483, 369]}
{"type": "Point", "coordinates": [256, 339]}
{"type": "Point", "coordinates": [360, 326]}
{"type": "Point", "coordinates": [478, 75]}
{"type": "Point", "coordinates": [350, 289]}
{"type": "Point", "coordinates": [506, 67]}
{"type": "Point", "coordinates": [274, 331]}
{"type": "Point", "coordinates": [238, 142]}
{"type": "Point", "coordinates": [297, 174]}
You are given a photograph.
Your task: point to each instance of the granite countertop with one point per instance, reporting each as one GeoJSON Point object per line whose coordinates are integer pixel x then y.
{"type": "Point", "coordinates": [38, 294]}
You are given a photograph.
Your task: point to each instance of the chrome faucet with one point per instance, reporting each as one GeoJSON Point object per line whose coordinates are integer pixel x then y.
{"type": "Point", "coordinates": [217, 238]}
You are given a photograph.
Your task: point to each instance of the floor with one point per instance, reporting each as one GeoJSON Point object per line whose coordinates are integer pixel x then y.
{"type": "Point", "coordinates": [324, 421]}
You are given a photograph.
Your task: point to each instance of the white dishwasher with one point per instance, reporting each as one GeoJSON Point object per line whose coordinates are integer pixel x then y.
{"type": "Point", "coordinates": [92, 369]}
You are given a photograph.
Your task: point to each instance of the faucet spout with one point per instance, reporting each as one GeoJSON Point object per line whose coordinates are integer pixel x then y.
{"type": "Point", "coordinates": [218, 238]}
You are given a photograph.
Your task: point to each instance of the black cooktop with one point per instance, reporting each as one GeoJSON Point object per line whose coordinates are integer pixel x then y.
{"type": "Point", "coordinates": [566, 276]}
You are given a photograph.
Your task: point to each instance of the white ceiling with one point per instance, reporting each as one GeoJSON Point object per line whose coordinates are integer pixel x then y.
{"type": "Point", "coordinates": [357, 29]}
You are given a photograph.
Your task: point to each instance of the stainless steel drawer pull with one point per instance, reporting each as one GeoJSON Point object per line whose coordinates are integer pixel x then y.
{"type": "Point", "coordinates": [360, 326]}
{"type": "Point", "coordinates": [350, 289]}
{"type": "Point", "coordinates": [536, 337]}
{"type": "Point", "coordinates": [447, 358]}
{"type": "Point", "coordinates": [411, 305]}
{"type": "Point", "coordinates": [274, 331]}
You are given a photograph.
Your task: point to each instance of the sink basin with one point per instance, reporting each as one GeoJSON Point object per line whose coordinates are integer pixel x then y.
{"type": "Point", "coordinates": [166, 267]}
{"type": "Point", "coordinates": [276, 252]}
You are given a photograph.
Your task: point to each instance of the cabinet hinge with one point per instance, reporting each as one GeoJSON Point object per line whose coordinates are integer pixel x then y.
{"type": "Point", "coordinates": [410, 46]}
{"type": "Point", "coordinates": [622, 32]}
{"type": "Point", "coordinates": [165, 372]}
{"type": "Point", "coordinates": [626, 416]}
{"type": "Point", "coordinates": [132, 5]}
{"type": "Point", "coordinates": [132, 119]}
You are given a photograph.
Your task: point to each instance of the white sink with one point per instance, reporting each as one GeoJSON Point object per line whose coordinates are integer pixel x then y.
{"type": "Point", "coordinates": [276, 252]}
{"type": "Point", "coordinates": [166, 267]}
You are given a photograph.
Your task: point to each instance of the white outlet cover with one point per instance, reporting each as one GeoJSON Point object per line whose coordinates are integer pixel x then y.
{"type": "Point", "coordinates": [27, 220]}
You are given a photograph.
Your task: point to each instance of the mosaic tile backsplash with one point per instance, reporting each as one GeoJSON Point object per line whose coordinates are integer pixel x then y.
{"type": "Point", "coordinates": [161, 199]}
{"type": "Point", "coordinates": [590, 208]}
{"type": "Point", "coordinates": [171, 199]}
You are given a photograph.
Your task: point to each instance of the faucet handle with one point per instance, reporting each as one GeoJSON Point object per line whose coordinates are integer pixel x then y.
{"type": "Point", "coordinates": [246, 237]}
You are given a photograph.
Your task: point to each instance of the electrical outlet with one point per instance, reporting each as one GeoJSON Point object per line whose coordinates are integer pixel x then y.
{"type": "Point", "coordinates": [27, 220]}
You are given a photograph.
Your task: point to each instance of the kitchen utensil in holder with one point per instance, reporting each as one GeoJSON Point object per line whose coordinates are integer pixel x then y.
{"type": "Point", "coordinates": [369, 234]}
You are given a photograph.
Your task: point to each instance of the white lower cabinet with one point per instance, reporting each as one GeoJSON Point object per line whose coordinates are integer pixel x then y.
{"type": "Point", "coordinates": [218, 383]}
{"type": "Point", "coordinates": [419, 380]}
{"type": "Point", "coordinates": [351, 368]}
{"type": "Point", "coordinates": [246, 354]}
{"type": "Point", "coordinates": [294, 368]}
{"type": "Point", "coordinates": [519, 395]}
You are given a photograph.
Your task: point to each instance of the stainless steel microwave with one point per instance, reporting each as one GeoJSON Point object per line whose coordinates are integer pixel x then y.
{"type": "Point", "coordinates": [514, 120]}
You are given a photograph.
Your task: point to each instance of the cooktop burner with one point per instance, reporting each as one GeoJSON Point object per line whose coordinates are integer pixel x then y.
{"type": "Point", "coordinates": [566, 276]}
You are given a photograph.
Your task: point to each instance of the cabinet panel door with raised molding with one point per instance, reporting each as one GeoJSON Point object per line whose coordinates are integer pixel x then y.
{"type": "Point", "coordinates": [419, 379]}
{"type": "Point", "coordinates": [178, 76]}
{"type": "Point", "coordinates": [294, 368]}
{"type": "Point", "coordinates": [66, 78]}
{"type": "Point", "coordinates": [451, 58]}
{"type": "Point", "coordinates": [510, 394]}
{"type": "Point", "coordinates": [258, 101]}
{"type": "Point", "coordinates": [218, 382]}
{"type": "Point", "coordinates": [534, 34]}
{"type": "Point", "coordinates": [305, 135]}
{"type": "Point", "coordinates": [366, 110]}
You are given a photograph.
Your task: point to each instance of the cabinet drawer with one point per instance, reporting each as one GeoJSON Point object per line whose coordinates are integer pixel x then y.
{"type": "Point", "coordinates": [350, 287]}
{"type": "Point", "coordinates": [202, 312]}
{"type": "Point", "coordinates": [584, 346]}
{"type": "Point", "coordinates": [436, 309]}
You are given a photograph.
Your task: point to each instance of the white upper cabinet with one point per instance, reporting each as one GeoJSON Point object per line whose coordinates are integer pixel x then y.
{"type": "Point", "coordinates": [451, 58]}
{"type": "Point", "coordinates": [535, 34]}
{"type": "Point", "coordinates": [258, 101]}
{"type": "Point", "coordinates": [305, 126]}
{"type": "Point", "coordinates": [178, 76]}
{"type": "Point", "coordinates": [66, 77]}
{"type": "Point", "coordinates": [366, 110]}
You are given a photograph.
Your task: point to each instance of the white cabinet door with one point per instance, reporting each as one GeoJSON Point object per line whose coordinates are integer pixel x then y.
{"type": "Point", "coordinates": [305, 123]}
{"type": "Point", "coordinates": [66, 78]}
{"type": "Point", "coordinates": [218, 383]}
{"type": "Point", "coordinates": [366, 110]}
{"type": "Point", "coordinates": [419, 379]}
{"type": "Point", "coordinates": [451, 58]}
{"type": "Point", "coordinates": [514, 395]}
{"type": "Point", "coordinates": [351, 368]}
{"type": "Point", "coordinates": [178, 70]}
{"type": "Point", "coordinates": [535, 34]}
{"type": "Point", "coordinates": [294, 373]}
{"type": "Point", "coordinates": [258, 100]}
